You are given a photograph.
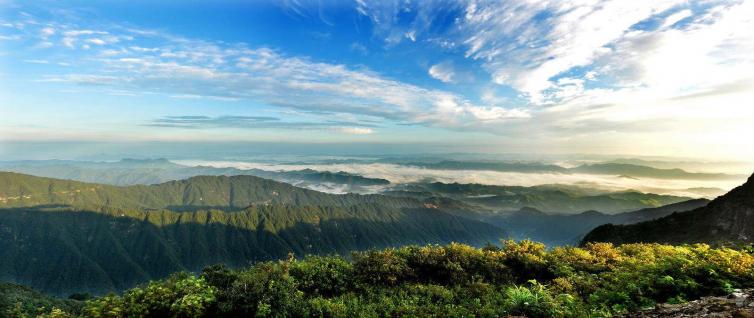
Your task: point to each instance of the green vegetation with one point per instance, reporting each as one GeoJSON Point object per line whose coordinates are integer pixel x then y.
{"type": "Point", "coordinates": [547, 198]}
{"type": "Point", "coordinates": [65, 236]}
{"type": "Point", "coordinates": [560, 229]}
{"type": "Point", "coordinates": [727, 219]}
{"type": "Point", "coordinates": [21, 301]}
{"type": "Point", "coordinates": [152, 171]}
{"type": "Point", "coordinates": [19, 190]}
{"type": "Point", "coordinates": [519, 278]}
{"type": "Point", "coordinates": [66, 250]}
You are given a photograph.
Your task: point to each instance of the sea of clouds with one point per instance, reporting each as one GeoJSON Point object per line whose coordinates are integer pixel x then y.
{"type": "Point", "coordinates": [397, 173]}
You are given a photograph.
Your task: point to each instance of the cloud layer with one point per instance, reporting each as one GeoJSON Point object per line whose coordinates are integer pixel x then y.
{"type": "Point", "coordinates": [406, 174]}
{"type": "Point", "coordinates": [184, 68]}
{"type": "Point", "coordinates": [666, 76]}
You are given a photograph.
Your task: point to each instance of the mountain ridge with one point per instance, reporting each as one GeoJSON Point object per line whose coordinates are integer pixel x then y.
{"type": "Point", "coordinates": [726, 219]}
{"type": "Point", "coordinates": [63, 236]}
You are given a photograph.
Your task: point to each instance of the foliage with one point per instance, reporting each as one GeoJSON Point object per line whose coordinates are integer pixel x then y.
{"type": "Point", "coordinates": [726, 220]}
{"type": "Point", "coordinates": [444, 281]}
{"type": "Point", "coordinates": [22, 302]}
{"type": "Point", "coordinates": [149, 232]}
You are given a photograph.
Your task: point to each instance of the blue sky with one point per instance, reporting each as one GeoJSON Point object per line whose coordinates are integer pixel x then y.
{"type": "Point", "coordinates": [659, 78]}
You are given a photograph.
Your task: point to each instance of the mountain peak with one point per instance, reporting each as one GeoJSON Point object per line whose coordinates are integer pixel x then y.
{"type": "Point", "coordinates": [726, 219]}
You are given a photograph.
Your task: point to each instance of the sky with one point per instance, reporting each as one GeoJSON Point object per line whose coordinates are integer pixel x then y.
{"type": "Point", "coordinates": [660, 78]}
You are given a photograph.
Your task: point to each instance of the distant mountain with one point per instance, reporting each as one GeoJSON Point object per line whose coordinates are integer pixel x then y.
{"type": "Point", "coordinates": [625, 169]}
{"type": "Point", "coordinates": [569, 229]}
{"type": "Point", "coordinates": [728, 218]}
{"type": "Point", "coordinates": [547, 198]}
{"type": "Point", "coordinates": [151, 171]}
{"type": "Point", "coordinates": [689, 165]}
{"type": "Point", "coordinates": [18, 190]}
{"type": "Point", "coordinates": [488, 165]}
{"type": "Point", "coordinates": [63, 236]}
{"type": "Point", "coordinates": [637, 171]}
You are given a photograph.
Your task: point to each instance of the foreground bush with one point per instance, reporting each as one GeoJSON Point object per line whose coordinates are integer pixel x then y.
{"type": "Point", "coordinates": [519, 278]}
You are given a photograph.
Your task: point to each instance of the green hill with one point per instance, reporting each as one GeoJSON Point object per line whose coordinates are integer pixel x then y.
{"type": "Point", "coordinates": [64, 236]}
{"type": "Point", "coordinates": [547, 198]}
{"type": "Point", "coordinates": [569, 229]}
{"type": "Point", "coordinates": [727, 219]}
{"type": "Point", "coordinates": [517, 279]}
{"type": "Point", "coordinates": [152, 171]}
{"type": "Point", "coordinates": [18, 190]}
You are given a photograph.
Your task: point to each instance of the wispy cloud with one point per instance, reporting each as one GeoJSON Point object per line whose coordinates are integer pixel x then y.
{"type": "Point", "coordinates": [574, 74]}
{"type": "Point", "coordinates": [258, 122]}
{"type": "Point", "coordinates": [442, 71]}
{"type": "Point", "coordinates": [609, 67]}
{"type": "Point", "coordinates": [189, 68]}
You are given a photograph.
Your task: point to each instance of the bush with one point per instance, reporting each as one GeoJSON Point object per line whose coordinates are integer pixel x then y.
{"type": "Point", "coordinates": [520, 278]}
{"type": "Point", "coordinates": [322, 276]}
{"type": "Point", "coordinates": [181, 296]}
{"type": "Point", "coordinates": [381, 268]}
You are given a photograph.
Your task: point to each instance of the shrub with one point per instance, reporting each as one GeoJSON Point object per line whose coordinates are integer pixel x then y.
{"type": "Point", "coordinates": [381, 268]}
{"type": "Point", "coordinates": [322, 276]}
{"type": "Point", "coordinates": [455, 280]}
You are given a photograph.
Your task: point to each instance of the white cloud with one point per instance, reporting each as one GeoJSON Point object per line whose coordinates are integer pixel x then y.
{"type": "Point", "coordinates": [356, 130]}
{"type": "Point", "coordinates": [33, 61]}
{"type": "Point", "coordinates": [527, 53]}
{"type": "Point", "coordinates": [47, 32]}
{"type": "Point", "coordinates": [606, 71]}
{"type": "Point", "coordinates": [676, 17]}
{"type": "Point", "coordinates": [496, 113]}
{"type": "Point", "coordinates": [407, 174]}
{"type": "Point", "coordinates": [75, 33]}
{"type": "Point", "coordinates": [411, 35]}
{"type": "Point", "coordinates": [96, 41]}
{"type": "Point", "coordinates": [442, 71]}
{"type": "Point", "coordinates": [613, 72]}
{"type": "Point", "coordinates": [183, 67]}
{"type": "Point", "coordinates": [68, 41]}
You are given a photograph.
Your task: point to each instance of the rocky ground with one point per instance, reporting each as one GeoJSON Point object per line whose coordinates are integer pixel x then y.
{"type": "Point", "coordinates": [739, 304]}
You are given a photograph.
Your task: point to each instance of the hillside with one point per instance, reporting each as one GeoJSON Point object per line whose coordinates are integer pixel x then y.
{"type": "Point", "coordinates": [151, 171]}
{"type": "Point", "coordinates": [547, 198]}
{"type": "Point", "coordinates": [639, 171]}
{"type": "Point", "coordinates": [518, 279]}
{"type": "Point", "coordinates": [569, 229]}
{"type": "Point", "coordinates": [19, 190]}
{"type": "Point", "coordinates": [727, 219]}
{"type": "Point", "coordinates": [63, 236]}
{"type": "Point", "coordinates": [15, 299]}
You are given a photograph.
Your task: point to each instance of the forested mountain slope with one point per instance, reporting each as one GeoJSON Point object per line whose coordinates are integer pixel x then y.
{"type": "Point", "coordinates": [546, 198]}
{"type": "Point", "coordinates": [727, 219]}
{"type": "Point", "coordinates": [152, 171]}
{"type": "Point", "coordinates": [62, 236]}
{"type": "Point", "coordinates": [17, 190]}
{"type": "Point", "coordinates": [569, 229]}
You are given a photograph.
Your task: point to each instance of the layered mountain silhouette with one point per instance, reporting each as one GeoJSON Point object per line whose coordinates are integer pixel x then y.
{"type": "Point", "coordinates": [569, 229]}
{"type": "Point", "coordinates": [62, 236]}
{"type": "Point", "coordinates": [727, 219]}
{"type": "Point", "coordinates": [152, 171]}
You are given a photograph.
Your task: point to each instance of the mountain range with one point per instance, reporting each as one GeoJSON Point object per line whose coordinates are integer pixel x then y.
{"type": "Point", "coordinates": [602, 168]}
{"type": "Point", "coordinates": [152, 171]}
{"type": "Point", "coordinates": [727, 219]}
{"type": "Point", "coordinates": [568, 229]}
{"type": "Point", "coordinates": [557, 199]}
{"type": "Point", "coordinates": [61, 236]}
